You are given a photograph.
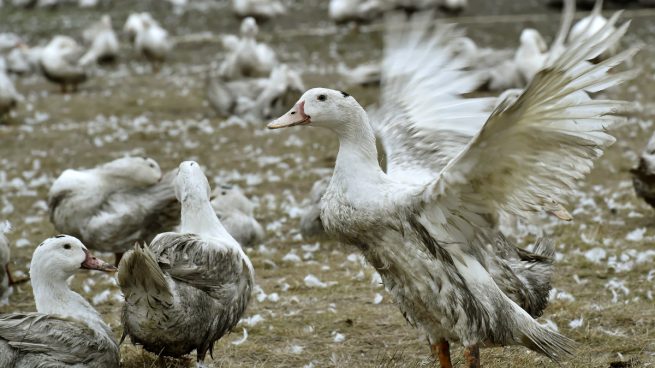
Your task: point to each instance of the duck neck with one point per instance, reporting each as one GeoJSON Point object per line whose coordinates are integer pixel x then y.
{"type": "Point", "coordinates": [198, 217]}
{"type": "Point", "coordinates": [358, 155]}
{"type": "Point", "coordinates": [53, 296]}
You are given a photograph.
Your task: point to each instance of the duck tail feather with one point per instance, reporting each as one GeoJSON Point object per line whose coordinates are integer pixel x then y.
{"type": "Point", "coordinates": [139, 271]}
{"type": "Point", "coordinates": [546, 341]}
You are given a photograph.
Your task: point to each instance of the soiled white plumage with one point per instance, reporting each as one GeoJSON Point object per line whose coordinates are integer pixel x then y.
{"type": "Point", "coordinates": [66, 331]}
{"type": "Point", "coordinates": [114, 205]}
{"type": "Point", "coordinates": [188, 288]}
{"type": "Point", "coordinates": [102, 40]}
{"type": "Point", "coordinates": [236, 213]}
{"type": "Point", "coordinates": [427, 225]}
{"type": "Point", "coordinates": [261, 9]}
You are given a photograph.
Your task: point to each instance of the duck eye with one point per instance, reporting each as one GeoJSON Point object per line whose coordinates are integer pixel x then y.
{"type": "Point", "coordinates": [67, 246]}
{"type": "Point", "coordinates": [321, 97]}
{"type": "Point", "coordinates": [223, 193]}
{"type": "Point", "coordinates": [152, 166]}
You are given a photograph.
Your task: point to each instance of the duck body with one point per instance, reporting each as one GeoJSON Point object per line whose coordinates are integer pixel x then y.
{"type": "Point", "coordinates": [66, 331]}
{"type": "Point", "coordinates": [153, 42]}
{"type": "Point", "coordinates": [114, 205]}
{"type": "Point", "coordinates": [311, 224]}
{"type": "Point", "coordinates": [59, 62]}
{"type": "Point", "coordinates": [187, 289]}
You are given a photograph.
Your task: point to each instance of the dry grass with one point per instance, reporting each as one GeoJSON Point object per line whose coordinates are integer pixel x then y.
{"type": "Point", "coordinates": [132, 111]}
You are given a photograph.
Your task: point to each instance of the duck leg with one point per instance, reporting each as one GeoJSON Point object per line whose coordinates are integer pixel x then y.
{"type": "Point", "coordinates": [472, 356]}
{"type": "Point", "coordinates": [441, 352]}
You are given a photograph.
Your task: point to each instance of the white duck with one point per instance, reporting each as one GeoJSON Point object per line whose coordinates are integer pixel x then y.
{"type": "Point", "coordinates": [260, 9]}
{"type": "Point", "coordinates": [5, 256]}
{"type": "Point", "coordinates": [247, 57]}
{"type": "Point", "coordinates": [590, 26]}
{"type": "Point", "coordinates": [112, 206]}
{"type": "Point", "coordinates": [103, 42]}
{"type": "Point", "coordinates": [9, 97]}
{"type": "Point", "coordinates": [188, 289]}
{"type": "Point", "coordinates": [60, 63]}
{"type": "Point", "coordinates": [427, 224]}
{"type": "Point", "coordinates": [361, 75]}
{"type": "Point", "coordinates": [65, 331]}
{"type": "Point", "coordinates": [236, 213]}
{"type": "Point", "coordinates": [152, 41]}
{"type": "Point", "coordinates": [533, 52]}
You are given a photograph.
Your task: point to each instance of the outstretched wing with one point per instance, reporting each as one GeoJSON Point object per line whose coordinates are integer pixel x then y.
{"type": "Point", "coordinates": [423, 120]}
{"type": "Point", "coordinates": [53, 340]}
{"type": "Point", "coordinates": [216, 269]}
{"type": "Point", "coordinates": [532, 151]}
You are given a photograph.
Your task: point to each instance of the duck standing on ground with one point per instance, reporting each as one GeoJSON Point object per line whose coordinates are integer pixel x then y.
{"type": "Point", "coordinates": [114, 205]}
{"type": "Point", "coordinates": [104, 46]}
{"type": "Point", "coordinates": [236, 213]}
{"type": "Point", "coordinates": [426, 224]}
{"type": "Point", "coordinates": [153, 42]}
{"type": "Point", "coordinates": [66, 331]}
{"type": "Point", "coordinates": [59, 62]}
{"type": "Point", "coordinates": [246, 56]}
{"type": "Point", "coordinates": [188, 289]}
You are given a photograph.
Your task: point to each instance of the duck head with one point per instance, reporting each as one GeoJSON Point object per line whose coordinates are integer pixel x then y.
{"type": "Point", "coordinates": [191, 183]}
{"type": "Point", "coordinates": [139, 170]}
{"type": "Point", "coordinates": [62, 256]}
{"type": "Point", "coordinates": [249, 27]}
{"type": "Point", "coordinates": [322, 107]}
{"type": "Point", "coordinates": [531, 38]}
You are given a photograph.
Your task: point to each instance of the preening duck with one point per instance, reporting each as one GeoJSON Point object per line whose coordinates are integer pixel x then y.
{"type": "Point", "coordinates": [115, 205]}
{"type": "Point", "coordinates": [188, 289]}
{"type": "Point", "coordinates": [427, 224]}
{"type": "Point", "coordinates": [59, 62]}
{"type": "Point", "coordinates": [66, 331]}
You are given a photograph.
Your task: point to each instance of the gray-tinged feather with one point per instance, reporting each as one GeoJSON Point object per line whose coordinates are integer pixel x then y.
{"type": "Point", "coordinates": [115, 220]}
{"type": "Point", "coordinates": [38, 341]}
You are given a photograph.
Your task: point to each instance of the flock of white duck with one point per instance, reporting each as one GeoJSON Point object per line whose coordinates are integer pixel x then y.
{"type": "Point", "coordinates": [428, 223]}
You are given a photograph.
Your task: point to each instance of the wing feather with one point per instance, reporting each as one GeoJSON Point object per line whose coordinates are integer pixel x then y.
{"type": "Point", "coordinates": [531, 153]}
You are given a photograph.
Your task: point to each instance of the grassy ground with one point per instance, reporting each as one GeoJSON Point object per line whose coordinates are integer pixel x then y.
{"type": "Point", "coordinates": [606, 305]}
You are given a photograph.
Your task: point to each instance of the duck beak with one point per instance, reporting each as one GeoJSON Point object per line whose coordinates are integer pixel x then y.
{"type": "Point", "coordinates": [295, 116]}
{"type": "Point", "coordinates": [93, 263]}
